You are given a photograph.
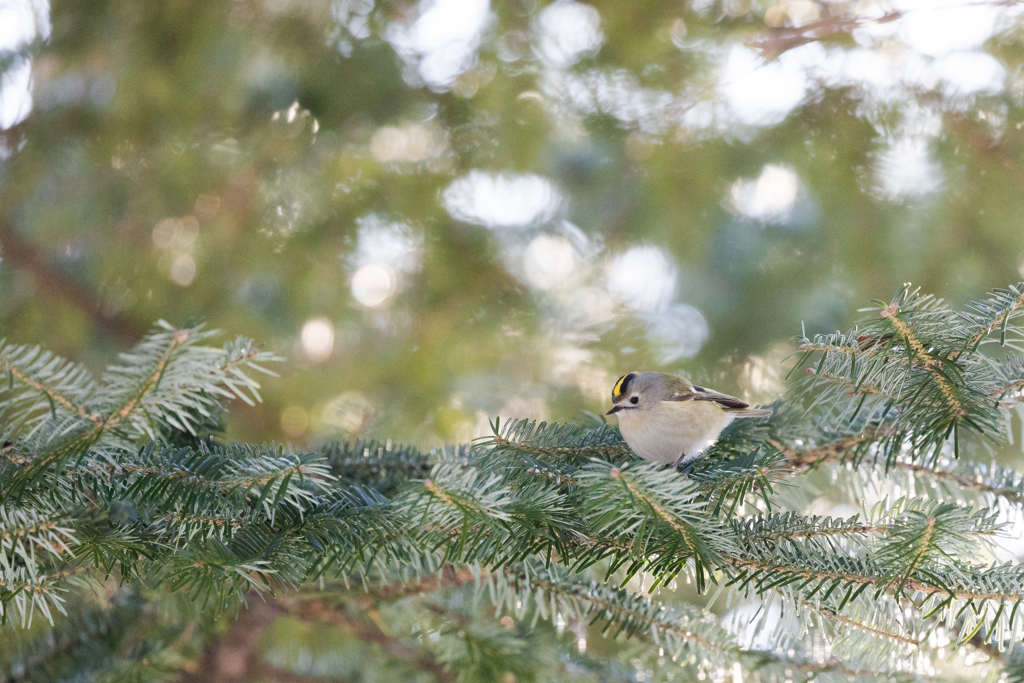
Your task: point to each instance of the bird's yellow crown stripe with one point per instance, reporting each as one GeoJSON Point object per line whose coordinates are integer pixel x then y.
{"type": "Point", "coordinates": [617, 389]}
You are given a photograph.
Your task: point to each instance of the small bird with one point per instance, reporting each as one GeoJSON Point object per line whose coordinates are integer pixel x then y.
{"type": "Point", "coordinates": [666, 419]}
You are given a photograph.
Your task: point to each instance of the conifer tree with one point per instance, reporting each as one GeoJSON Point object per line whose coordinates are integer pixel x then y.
{"type": "Point", "coordinates": [136, 545]}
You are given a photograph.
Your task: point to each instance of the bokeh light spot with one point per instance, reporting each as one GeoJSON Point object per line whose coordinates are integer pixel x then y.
{"type": "Point", "coordinates": [528, 107]}
{"type": "Point", "coordinates": [762, 93]}
{"type": "Point", "coordinates": [642, 278]}
{"type": "Point", "coordinates": [346, 413]}
{"type": "Point", "coordinates": [677, 332]}
{"type": "Point", "coordinates": [770, 197]}
{"type": "Point", "coordinates": [179, 234]}
{"type": "Point", "coordinates": [501, 200]}
{"type": "Point", "coordinates": [549, 261]}
{"type": "Point", "coordinates": [907, 168]}
{"type": "Point", "coordinates": [207, 206]}
{"type": "Point", "coordinates": [442, 42]}
{"type": "Point", "coordinates": [935, 30]}
{"type": "Point", "coordinates": [410, 143]}
{"type": "Point", "coordinates": [186, 234]}
{"type": "Point", "coordinates": [15, 93]}
{"type": "Point", "coordinates": [163, 233]}
{"type": "Point", "coordinates": [318, 338]}
{"type": "Point", "coordinates": [394, 244]}
{"type": "Point", "coordinates": [569, 30]}
{"type": "Point", "coordinates": [183, 270]}
{"type": "Point", "coordinates": [373, 285]}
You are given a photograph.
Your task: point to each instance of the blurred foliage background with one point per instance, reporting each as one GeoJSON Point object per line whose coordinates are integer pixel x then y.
{"type": "Point", "coordinates": [448, 210]}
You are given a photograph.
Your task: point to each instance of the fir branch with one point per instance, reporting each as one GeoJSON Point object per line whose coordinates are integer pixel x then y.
{"type": "Point", "coordinates": [924, 358]}
{"type": "Point", "coordinates": [852, 387]}
{"type": "Point", "coordinates": [1012, 491]}
{"type": "Point", "coordinates": [885, 519]}
{"type": "Point", "coordinates": [47, 532]}
{"type": "Point", "coordinates": [996, 311]}
{"type": "Point", "coordinates": [191, 480]}
{"type": "Point", "coordinates": [829, 613]}
{"type": "Point", "coordinates": [789, 526]}
{"type": "Point", "coordinates": [553, 591]}
{"type": "Point", "coordinates": [727, 484]}
{"type": "Point", "coordinates": [1000, 482]}
{"type": "Point", "coordinates": [62, 383]}
{"type": "Point", "coordinates": [842, 448]}
{"type": "Point", "coordinates": [170, 378]}
{"type": "Point", "coordinates": [160, 348]}
{"type": "Point", "coordinates": [658, 513]}
{"type": "Point", "coordinates": [1006, 586]}
{"type": "Point", "coordinates": [557, 440]}
{"type": "Point", "coordinates": [190, 523]}
{"type": "Point", "coordinates": [928, 530]}
{"type": "Point", "coordinates": [382, 466]}
{"type": "Point", "coordinates": [222, 524]}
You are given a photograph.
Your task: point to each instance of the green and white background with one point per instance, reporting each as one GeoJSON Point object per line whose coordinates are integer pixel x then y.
{"type": "Point", "coordinates": [446, 211]}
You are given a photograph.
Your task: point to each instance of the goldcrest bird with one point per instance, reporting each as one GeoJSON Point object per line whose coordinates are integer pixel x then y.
{"type": "Point", "coordinates": [666, 419]}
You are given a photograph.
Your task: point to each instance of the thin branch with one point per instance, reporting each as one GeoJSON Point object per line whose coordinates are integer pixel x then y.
{"type": "Point", "coordinates": [1011, 495]}
{"type": "Point", "coordinates": [229, 658]}
{"type": "Point", "coordinates": [980, 334]}
{"type": "Point", "coordinates": [52, 394]}
{"type": "Point", "coordinates": [812, 532]}
{"type": "Point", "coordinates": [559, 450]}
{"type": "Point", "coordinates": [57, 284]}
{"type": "Point", "coordinates": [550, 475]}
{"type": "Point", "coordinates": [848, 577]}
{"type": "Point", "coordinates": [855, 388]}
{"type": "Point", "coordinates": [366, 594]}
{"type": "Point", "coordinates": [36, 584]}
{"type": "Point", "coordinates": [786, 38]}
{"type": "Point", "coordinates": [830, 348]}
{"type": "Point", "coordinates": [639, 494]}
{"type": "Point", "coordinates": [592, 600]}
{"type": "Point", "coordinates": [806, 458]}
{"type": "Point", "coordinates": [926, 540]}
{"type": "Point", "coordinates": [834, 452]}
{"type": "Point", "coordinates": [179, 338]}
{"type": "Point", "coordinates": [929, 363]}
{"type": "Point", "coordinates": [835, 616]}
{"type": "Point", "coordinates": [369, 632]}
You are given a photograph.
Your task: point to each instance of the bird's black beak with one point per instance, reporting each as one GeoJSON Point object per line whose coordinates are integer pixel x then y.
{"type": "Point", "coordinates": [615, 409]}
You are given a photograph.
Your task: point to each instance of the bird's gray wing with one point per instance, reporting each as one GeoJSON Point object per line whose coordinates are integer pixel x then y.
{"type": "Point", "coordinates": [702, 394]}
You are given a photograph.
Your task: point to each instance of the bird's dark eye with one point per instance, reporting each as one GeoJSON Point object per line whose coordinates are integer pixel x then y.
{"type": "Point", "coordinates": [634, 400]}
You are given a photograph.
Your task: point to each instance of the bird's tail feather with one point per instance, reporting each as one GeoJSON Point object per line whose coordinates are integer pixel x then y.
{"type": "Point", "coordinates": [752, 412]}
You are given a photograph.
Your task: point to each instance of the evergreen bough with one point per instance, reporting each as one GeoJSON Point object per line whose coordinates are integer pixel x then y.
{"type": "Point", "coordinates": [129, 535]}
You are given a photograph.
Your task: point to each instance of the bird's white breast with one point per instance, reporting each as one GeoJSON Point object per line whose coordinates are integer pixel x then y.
{"type": "Point", "coordinates": [672, 429]}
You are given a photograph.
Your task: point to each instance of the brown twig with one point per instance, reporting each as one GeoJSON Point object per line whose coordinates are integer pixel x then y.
{"type": "Point", "coordinates": [57, 285]}
{"type": "Point", "coordinates": [781, 39]}
{"type": "Point", "coordinates": [232, 657]}
{"type": "Point", "coordinates": [833, 453]}
{"type": "Point", "coordinates": [369, 632]}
